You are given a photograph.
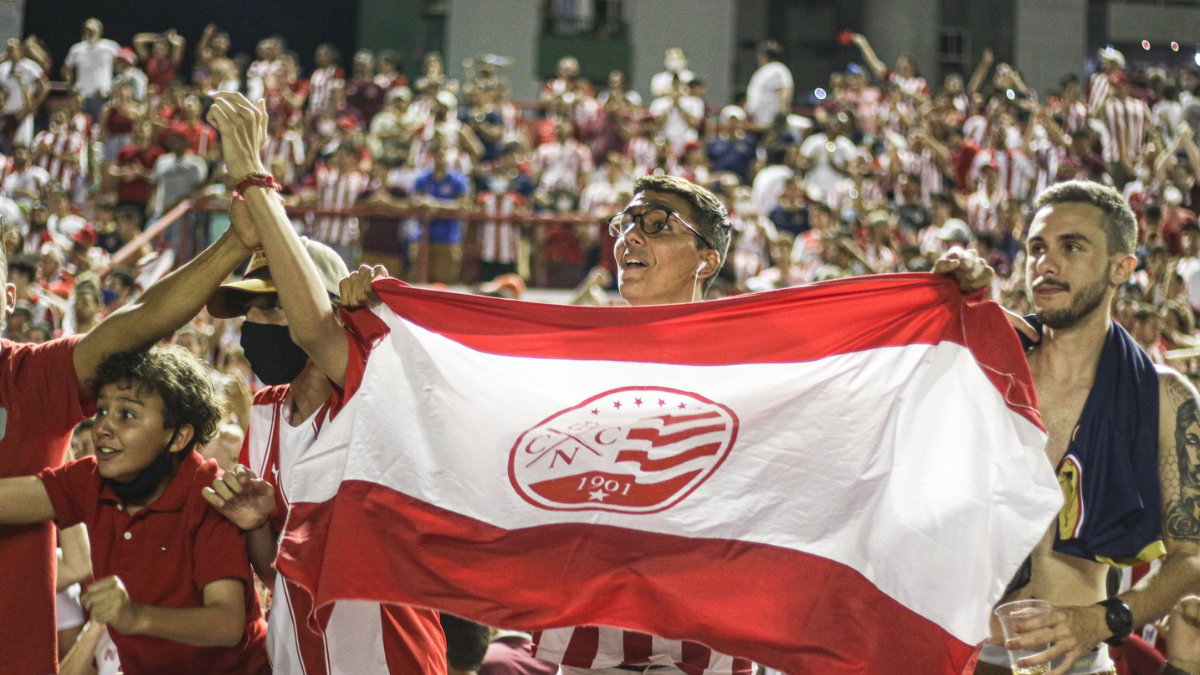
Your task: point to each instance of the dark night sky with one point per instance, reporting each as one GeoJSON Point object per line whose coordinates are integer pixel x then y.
{"type": "Point", "coordinates": [305, 23]}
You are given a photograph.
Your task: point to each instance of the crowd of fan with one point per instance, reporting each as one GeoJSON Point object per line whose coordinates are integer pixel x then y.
{"type": "Point", "coordinates": [881, 176]}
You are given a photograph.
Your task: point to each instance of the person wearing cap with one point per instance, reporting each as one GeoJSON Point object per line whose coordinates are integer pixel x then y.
{"type": "Point", "coordinates": [125, 70]}
{"type": "Point", "coordinates": [732, 150]}
{"type": "Point", "coordinates": [295, 344]}
{"type": "Point", "coordinates": [954, 232]}
{"type": "Point", "coordinates": [89, 66]}
{"type": "Point", "coordinates": [1112, 62]}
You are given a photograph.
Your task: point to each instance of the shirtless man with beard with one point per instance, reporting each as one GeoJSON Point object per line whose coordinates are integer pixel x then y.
{"type": "Point", "coordinates": [1080, 249]}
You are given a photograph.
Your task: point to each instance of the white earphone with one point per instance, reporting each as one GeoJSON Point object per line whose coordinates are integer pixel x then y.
{"type": "Point", "coordinates": [700, 268]}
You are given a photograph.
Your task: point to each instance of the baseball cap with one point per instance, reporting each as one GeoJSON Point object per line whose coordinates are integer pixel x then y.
{"type": "Point", "coordinates": [730, 112]}
{"type": "Point", "coordinates": [126, 54]}
{"type": "Point", "coordinates": [232, 299]}
{"type": "Point", "coordinates": [954, 229]}
{"type": "Point", "coordinates": [1110, 54]}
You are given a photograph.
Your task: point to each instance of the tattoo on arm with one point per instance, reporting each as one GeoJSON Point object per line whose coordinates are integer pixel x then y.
{"type": "Point", "coordinates": [1179, 465]}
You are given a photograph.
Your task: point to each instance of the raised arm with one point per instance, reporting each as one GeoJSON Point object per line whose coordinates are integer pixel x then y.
{"type": "Point", "coordinates": [311, 318]}
{"type": "Point", "coordinates": [879, 68]}
{"type": "Point", "coordinates": [165, 306]}
{"type": "Point", "coordinates": [141, 45]}
{"type": "Point", "coordinates": [203, 48]}
{"type": "Point", "coordinates": [981, 71]}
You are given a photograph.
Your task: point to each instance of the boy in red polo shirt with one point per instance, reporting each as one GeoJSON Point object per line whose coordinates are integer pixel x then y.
{"type": "Point", "coordinates": [172, 579]}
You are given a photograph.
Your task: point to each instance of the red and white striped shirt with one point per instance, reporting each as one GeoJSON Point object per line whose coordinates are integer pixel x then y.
{"type": "Point", "coordinates": [1126, 121]}
{"type": "Point", "coordinates": [319, 84]}
{"type": "Point", "coordinates": [1098, 90]}
{"type": "Point", "coordinates": [562, 166]}
{"type": "Point", "coordinates": [602, 647]}
{"type": "Point", "coordinates": [362, 637]}
{"type": "Point", "coordinates": [983, 210]}
{"type": "Point", "coordinates": [54, 143]}
{"type": "Point", "coordinates": [282, 154]}
{"type": "Point", "coordinates": [924, 165]}
{"type": "Point", "coordinates": [1016, 171]}
{"type": "Point", "coordinates": [336, 190]}
{"type": "Point", "coordinates": [500, 240]}
{"type": "Point", "coordinates": [1075, 116]}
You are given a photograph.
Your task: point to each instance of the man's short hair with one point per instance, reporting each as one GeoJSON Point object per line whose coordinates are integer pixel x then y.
{"type": "Point", "coordinates": [123, 276]}
{"type": "Point", "coordinates": [175, 374]}
{"type": "Point", "coordinates": [25, 265]}
{"type": "Point", "coordinates": [708, 213]}
{"type": "Point", "coordinates": [1119, 223]}
{"type": "Point", "coordinates": [771, 50]}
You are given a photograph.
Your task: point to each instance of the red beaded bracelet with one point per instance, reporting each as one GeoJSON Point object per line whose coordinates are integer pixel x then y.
{"type": "Point", "coordinates": [262, 180]}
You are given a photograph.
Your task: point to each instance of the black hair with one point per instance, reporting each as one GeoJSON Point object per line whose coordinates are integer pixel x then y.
{"type": "Point", "coordinates": [175, 374]}
{"type": "Point", "coordinates": [466, 642]}
{"type": "Point", "coordinates": [23, 264]}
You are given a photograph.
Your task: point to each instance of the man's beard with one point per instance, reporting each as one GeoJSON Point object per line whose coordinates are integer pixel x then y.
{"type": "Point", "coordinates": [1087, 300]}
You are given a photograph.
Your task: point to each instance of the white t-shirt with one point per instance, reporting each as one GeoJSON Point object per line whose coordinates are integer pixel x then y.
{"type": "Point", "coordinates": [768, 185]}
{"type": "Point", "coordinates": [11, 76]}
{"type": "Point", "coordinates": [676, 129]}
{"type": "Point", "coordinates": [93, 65]}
{"type": "Point", "coordinates": [1189, 270]}
{"type": "Point", "coordinates": [63, 229]}
{"type": "Point", "coordinates": [661, 83]}
{"type": "Point", "coordinates": [829, 158]}
{"type": "Point", "coordinates": [762, 94]}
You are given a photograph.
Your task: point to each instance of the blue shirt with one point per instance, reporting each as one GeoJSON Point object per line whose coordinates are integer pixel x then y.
{"type": "Point", "coordinates": [732, 155]}
{"type": "Point", "coordinates": [452, 186]}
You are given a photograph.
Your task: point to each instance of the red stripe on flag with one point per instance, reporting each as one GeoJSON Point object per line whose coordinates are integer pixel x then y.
{"type": "Point", "coordinates": [790, 610]}
{"type": "Point", "coordinates": [790, 325]}
{"type": "Point", "coordinates": [582, 649]}
{"type": "Point", "coordinates": [642, 458]}
{"type": "Point", "coordinates": [657, 438]}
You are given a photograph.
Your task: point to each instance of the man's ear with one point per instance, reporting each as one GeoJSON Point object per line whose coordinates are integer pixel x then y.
{"type": "Point", "coordinates": [10, 298]}
{"type": "Point", "coordinates": [183, 436]}
{"type": "Point", "coordinates": [1123, 268]}
{"type": "Point", "coordinates": [710, 264]}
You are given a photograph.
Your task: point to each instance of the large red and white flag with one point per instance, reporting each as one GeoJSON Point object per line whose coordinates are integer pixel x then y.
{"type": "Point", "coordinates": [835, 479]}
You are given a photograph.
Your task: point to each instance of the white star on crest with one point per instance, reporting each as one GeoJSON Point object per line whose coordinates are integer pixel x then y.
{"type": "Point", "coordinates": [598, 495]}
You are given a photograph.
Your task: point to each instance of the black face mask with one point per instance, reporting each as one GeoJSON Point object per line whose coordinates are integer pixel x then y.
{"type": "Point", "coordinates": [273, 357]}
{"type": "Point", "coordinates": [146, 482]}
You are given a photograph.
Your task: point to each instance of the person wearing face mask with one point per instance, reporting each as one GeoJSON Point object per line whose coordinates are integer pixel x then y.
{"type": "Point", "coordinates": [284, 422]}
{"type": "Point", "coordinates": [1174, 217]}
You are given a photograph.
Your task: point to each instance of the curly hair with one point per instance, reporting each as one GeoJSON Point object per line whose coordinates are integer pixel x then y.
{"type": "Point", "coordinates": [176, 375]}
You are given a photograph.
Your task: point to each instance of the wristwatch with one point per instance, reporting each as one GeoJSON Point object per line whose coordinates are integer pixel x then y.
{"type": "Point", "coordinates": [1119, 620]}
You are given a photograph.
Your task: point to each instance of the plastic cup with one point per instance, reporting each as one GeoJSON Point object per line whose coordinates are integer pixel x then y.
{"type": "Point", "coordinates": [1012, 613]}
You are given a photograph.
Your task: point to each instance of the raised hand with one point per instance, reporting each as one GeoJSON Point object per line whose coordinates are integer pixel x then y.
{"type": "Point", "coordinates": [243, 129]}
{"type": "Point", "coordinates": [242, 497]}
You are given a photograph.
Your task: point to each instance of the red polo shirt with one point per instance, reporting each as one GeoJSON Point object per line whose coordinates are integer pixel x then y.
{"type": "Point", "coordinates": [165, 554]}
{"type": "Point", "coordinates": [39, 408]}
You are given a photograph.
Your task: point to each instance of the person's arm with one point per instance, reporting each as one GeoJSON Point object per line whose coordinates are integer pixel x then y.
{"type": "Point", "coordinates": [219, 623]}
{"type": "Point", "coordinates": [76, 563]}
{"type": "Point", "coordinates": [877, 67]}
{"type": "Point", "coordinates": [81, 660]}
{"type": "Point", "coordinates": [24, 500]}
{"type": "Point", "coordinates": [246, 500]}
{"type": "Point", "coordinates": [166, 305]}
{"type": "Point", "coordinates": [35, 53]}
{"type": "Point", "coordinates": [981, 71]}
{"type": "Point", "coordinates": [203, 48]}
{"type": "Point", "coordinates": [177, 43]}
{"type": "Point", "coordinates": [68, 69]}
{"type": "Point", "coordinates": [1182, 632]}
{"type": "Point", "coordinates": [470, 142]}
{"type": "Point", "coordinates": [311, 318]}
{"type": "Point", "coordinates": [141, 45]}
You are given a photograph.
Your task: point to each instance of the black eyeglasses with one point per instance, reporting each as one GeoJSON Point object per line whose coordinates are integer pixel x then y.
{"type": "Point", "coordinates": [652, 221]}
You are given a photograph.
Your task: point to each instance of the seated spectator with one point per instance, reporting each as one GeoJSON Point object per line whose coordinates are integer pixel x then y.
{"type": "Point", "coordinates": [197, 611]}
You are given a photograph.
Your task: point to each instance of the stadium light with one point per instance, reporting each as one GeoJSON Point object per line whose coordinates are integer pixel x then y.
{"type": "Point", "coordinates": [1174, 46]}
{"type": "Point", "coordinates": [1146, 45]}
{"type": "Point", "coordinates": [820, 94]}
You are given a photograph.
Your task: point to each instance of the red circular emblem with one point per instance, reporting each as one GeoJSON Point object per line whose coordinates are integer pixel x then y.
{"type": "Point", "coordinates": [630, 450]}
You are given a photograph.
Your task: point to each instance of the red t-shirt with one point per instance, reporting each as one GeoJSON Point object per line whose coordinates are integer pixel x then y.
{"type": "Point", "coordinates": [137, 191]}
{"type": "Point", "coordinates": [165, 554]}
{"type": "Point", "coordinates": [160, 72]}
{"type": "Point", "coordinates": [200, 137]}
{"type": "Point", "coordinates": [39, 408]}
